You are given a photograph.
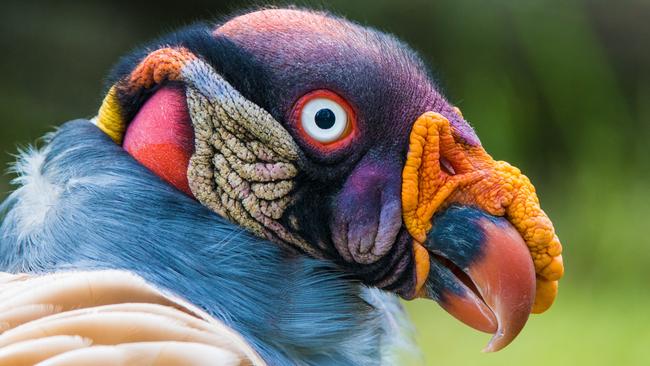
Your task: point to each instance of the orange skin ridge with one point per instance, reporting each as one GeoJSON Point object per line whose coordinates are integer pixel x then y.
{"type": "Point", "coordinates": [477, 179]}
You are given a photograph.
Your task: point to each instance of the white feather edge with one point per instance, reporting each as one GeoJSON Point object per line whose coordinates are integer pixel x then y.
{"type": "Point", "coordinates": [37, 194]}
{"type": "Point", "coordinates": [398, 330]}
{"type": "Point", "coordinates": [109, 317]}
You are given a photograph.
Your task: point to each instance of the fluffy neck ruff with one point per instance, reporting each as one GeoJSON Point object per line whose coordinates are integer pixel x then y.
{"type": "Point", "coordinates": [83, 203]}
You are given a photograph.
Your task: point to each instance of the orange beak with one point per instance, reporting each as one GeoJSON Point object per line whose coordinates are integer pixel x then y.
{"type": "Point", "coordinates": [511, 269]}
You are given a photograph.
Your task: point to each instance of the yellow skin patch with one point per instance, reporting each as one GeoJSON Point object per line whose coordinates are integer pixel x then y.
{"type": "Point", "coordinates": [109, 118]}
{"type": "Point", "coordinates": [494, 186]}
{"type": "Point", "coordinates": [422, 266]}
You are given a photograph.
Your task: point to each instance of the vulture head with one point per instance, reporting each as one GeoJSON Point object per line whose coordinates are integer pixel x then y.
{"type": "Point", "coordinates": [332, 141]}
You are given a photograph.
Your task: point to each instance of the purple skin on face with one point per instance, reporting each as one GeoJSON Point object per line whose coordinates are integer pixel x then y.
{"type": "Point", "coordinates": [368, 216]}
{"type": "Point", "coordinates": [346, 201]}
{"type": "Point", "coordinates": [367, 226]}
{"type": "Point", "coordinates": [388, 87]}
{"type": "Point", "coordinates": [304, 51]}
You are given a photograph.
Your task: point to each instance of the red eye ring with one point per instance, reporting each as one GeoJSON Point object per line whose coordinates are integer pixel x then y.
{"type": "Point", "coordinates": [325, 142]}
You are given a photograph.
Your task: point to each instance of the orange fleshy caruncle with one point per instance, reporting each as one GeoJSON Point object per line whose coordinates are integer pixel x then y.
{"type": "Point", "coordinates": [160, 65]}
{"type": "Point", "coordinates": [441, 170]}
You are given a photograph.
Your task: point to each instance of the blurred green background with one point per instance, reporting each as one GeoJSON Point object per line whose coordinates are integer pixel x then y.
{"type": "Point", "coordinates": [560, 89]}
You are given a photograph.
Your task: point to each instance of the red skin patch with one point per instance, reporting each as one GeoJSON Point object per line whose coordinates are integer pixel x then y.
{"type": "Point", "coordinates": [348, 136]}
{"type": "Point", "coordinates": [161, 137]}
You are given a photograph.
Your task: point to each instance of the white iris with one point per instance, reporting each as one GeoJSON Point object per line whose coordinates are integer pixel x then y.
{"type": "Point", "coordinates": [324, 120]}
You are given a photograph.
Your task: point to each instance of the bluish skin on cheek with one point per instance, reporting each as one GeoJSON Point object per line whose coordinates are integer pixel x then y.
{"type": "Point", "coordinates": [457, 234]}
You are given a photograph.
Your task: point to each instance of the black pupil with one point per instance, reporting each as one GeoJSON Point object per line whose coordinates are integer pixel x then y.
{"type": "Point", "coordinates": [325, 119]}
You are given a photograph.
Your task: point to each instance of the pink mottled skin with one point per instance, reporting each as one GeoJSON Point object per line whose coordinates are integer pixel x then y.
{"type": "Point", "coordinates": [161, 138]}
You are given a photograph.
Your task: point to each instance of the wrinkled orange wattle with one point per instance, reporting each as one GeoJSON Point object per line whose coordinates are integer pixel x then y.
{"type": "Point", "coordinates": [494, 186]}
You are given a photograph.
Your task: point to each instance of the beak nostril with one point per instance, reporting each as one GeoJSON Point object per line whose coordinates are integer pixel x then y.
{"type": "Point", "coordinates": [446, 166]}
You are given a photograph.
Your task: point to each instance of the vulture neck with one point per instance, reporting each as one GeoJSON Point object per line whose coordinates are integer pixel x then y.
{"type": "Point", "coordinates": [82, 203]}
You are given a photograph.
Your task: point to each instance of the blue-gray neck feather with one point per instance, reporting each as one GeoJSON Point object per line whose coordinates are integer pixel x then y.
{"type": "Point", "coordinates": [83, 203]}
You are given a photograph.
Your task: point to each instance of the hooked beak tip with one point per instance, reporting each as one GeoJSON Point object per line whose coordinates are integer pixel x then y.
{"type": "Point", "coordinates": [506, 278]}
{"type": "Point", "coordinates": [487, 282]}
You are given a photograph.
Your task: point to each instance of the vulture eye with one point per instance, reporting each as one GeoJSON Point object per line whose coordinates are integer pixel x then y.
{"type": "Point", "coordinates": [324, 119]}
